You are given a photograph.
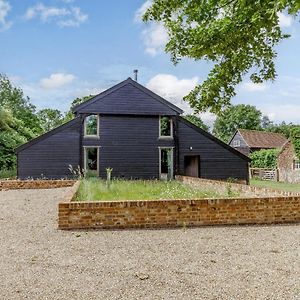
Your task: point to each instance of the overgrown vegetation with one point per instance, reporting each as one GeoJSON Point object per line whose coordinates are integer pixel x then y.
{"type": "Point", "coordinates": [11, 174]}
{"type": "Point", "coordinates": [264, 158]}
{"type": "Point", "coordinates": [94, 189]}
{"type": "Point", "coordinates": [295, 136]}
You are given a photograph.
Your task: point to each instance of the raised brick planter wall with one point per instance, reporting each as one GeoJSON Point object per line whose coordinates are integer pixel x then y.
{"type": "Point", "coordinates": [245, 190]}
{"type": "Point", "coordinates": [34, 184]}
{"type": "Point", "coordinates": [176, 213]}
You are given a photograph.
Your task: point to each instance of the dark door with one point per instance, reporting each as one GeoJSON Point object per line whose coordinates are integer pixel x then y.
{"type": "Point", "coordinates": [192, 165]}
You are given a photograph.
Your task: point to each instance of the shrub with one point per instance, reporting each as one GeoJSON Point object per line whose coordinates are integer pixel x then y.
{"type": "Point", "coordinates": [264, 158]}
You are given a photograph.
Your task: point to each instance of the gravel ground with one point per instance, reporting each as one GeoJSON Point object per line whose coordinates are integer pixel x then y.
{"type": "Point", "coordinates": [40, 262]}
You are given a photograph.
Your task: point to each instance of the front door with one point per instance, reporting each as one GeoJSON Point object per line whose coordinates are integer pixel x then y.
{"type": "Point", "coordinates": [192, 165]}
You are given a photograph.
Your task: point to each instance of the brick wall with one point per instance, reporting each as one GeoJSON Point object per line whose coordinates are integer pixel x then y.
{"type": "Point", "coordinates": [34, 184]}
{"type": "Point", "coordinates": [285, 164]}
{"type": "Point", "coordinates": [243, 189]}
{"type": "Point", "coordinates": [176, 213]}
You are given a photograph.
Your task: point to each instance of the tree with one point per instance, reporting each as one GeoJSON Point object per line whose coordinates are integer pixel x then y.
{"type": "Point", "coordinates": [197, 121]}
{"type": "Point", "coordinates": [18, 122]}
{"type": "Point", "coordinates": [12, 134]}
{"type": "Point", "coordinates": [69, 115]}
{"type": "Point", "coordinates": [237, 117]}
{"type": "Point", "coordinates": [283, 128]}
{"type": "Point", "coordinates": [13, 99]}
{"type": "Point", "coordinates": [50, 118]}
{"type": "Point", "coordinates": [238, 36]}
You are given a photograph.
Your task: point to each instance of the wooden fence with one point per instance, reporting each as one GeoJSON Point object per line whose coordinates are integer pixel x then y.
{"type": "Point", "coordinates": [264, 174]}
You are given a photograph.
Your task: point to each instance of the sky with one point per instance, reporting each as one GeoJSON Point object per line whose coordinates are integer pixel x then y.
{"type": "Point", "coordinates": [57, 50]}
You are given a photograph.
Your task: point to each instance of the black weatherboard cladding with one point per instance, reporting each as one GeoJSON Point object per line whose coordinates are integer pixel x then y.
{"type": "Point", "coordinates": [217, 160]}
{"type": "Point", "coordinates": [51, 154]}
{"type": "Point", "coordinates": [129, 140]}
{"type": "Point", "coordinates": [129, 144]}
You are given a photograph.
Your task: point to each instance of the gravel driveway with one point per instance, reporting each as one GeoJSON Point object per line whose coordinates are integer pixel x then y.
{"type": "Point", "coordinates": [39, 262]}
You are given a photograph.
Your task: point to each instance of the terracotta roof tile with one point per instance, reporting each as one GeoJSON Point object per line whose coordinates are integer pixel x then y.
{"type": "Point", "coordinates": [262, 139]}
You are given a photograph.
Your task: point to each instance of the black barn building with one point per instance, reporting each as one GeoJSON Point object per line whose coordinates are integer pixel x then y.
{"type": "Point", "coordinates": [136, 133]}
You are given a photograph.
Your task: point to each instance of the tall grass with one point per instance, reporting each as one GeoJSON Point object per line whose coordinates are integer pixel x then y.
{"type": "Point", "coordinates": [94, 189]}
{"type": "Point", "coordinates": [11, 174]}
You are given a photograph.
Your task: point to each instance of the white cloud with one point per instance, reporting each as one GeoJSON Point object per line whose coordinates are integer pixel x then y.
{"type": "Point", "coordinates": [155, 38]}
{"type": "Point", "coordinates": [284, 20]}
{"type": "Point", "coordinates": [282, 112]}
{"type": "Point", "coordinates": [56, 80]}
{"type": "Point", "coordinates": [4, 10]}
{"type": "Point", "coordinates": [64, 17]}
{"type": "Point", "coordinates": [173, 89]}
{"type": "Point", "coordinates": [140, 12]}
{"type": "Point", "coordinates": [254, 87]}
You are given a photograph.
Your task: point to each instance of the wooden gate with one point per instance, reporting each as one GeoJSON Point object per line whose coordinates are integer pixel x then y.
{"type": "Point", "coordinates": [264, 174]}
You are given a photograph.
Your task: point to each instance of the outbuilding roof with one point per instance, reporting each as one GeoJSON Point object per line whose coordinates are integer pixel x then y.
{"type": "Point", "coordinates": [262, 139]}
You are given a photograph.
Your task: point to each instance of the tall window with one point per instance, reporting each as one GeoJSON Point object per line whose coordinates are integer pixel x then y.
{"type": "Point", "coordinates": [165, 127]}
{"type": "Point", "coordinates": [296, 164]}
{"type": "Point", "coordinates": [91, 126]}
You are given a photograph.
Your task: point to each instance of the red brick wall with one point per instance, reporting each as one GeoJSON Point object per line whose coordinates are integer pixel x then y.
{"type": "Point", "coordinates": [177, 213]}
{"type": "Point", "coordinates": [34, 184]}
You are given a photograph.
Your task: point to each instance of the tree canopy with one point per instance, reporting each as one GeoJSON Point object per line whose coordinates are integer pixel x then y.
{"type": "Point", "coordinates": [238, 117]}
{"type": "Point", "coordinates": [50, 118]}
{"type": "Point", "coordinates": [238, 36]}
{"type": "Point", "coordinates": [197, 121]}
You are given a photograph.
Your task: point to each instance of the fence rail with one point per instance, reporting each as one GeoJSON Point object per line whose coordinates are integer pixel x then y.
{"type": "Point", "coordinates": [264, 174]}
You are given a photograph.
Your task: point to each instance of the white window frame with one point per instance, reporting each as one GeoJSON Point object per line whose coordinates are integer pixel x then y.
{"type": "Point", "coordinates": [236, 143]}
{"type": "Point", "coordinates": [84, 158]}
{"type": "Point", "coordinates": [296, 164]}
{"type": "Point", "coordinates": [172, 160]}
{"type": "Point", "coordinates": [171, 128]}
{"type": "Point", "coordinates": [98, 127]}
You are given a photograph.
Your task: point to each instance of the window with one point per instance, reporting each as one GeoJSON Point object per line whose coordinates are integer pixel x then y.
{"type": "Point", "coordinates": [91, 160]}
{"type": "Point", "coordinates": [296, 164]}
{"type": "Point", "coordinates": [91, 126]}
{"type": "Point", "coordinates": [236, 143]}
{"type": "Point", "coordinates": [165, 127]}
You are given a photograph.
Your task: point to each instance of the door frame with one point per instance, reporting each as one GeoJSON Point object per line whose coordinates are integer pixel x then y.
{"type": "Point", "coordinates": [172, 160]}
{"type": "Point", "coordinates": [98, 157]}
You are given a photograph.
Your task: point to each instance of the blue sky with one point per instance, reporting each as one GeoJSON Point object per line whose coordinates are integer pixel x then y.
{"type": "Point", "coordinates": [56, 50]}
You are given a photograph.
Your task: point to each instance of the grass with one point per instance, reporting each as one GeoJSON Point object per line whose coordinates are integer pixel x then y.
{"type": "Point", "coordinates": [93, 189]}
{"type": "Point", "coordinates": [8, 174]}
{"type": "Point", "coordinates": [288, 187]}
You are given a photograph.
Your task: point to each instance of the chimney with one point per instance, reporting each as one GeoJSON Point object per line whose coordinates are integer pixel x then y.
{"type": "Point", "coordinates": [135, 74]}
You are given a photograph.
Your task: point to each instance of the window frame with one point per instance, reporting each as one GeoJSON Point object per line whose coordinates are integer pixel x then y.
{"type": "Point", "coordinates": [85, 160]}
{"type": "Point", "coordinates": [296, 164]}
{"type": "Point", "coordinates": [172, 160]}
{"type": "Point", "coordinates": [236, 143]}
{"type": "Point", "coordinates": [98, 127]}
{"type": "Point", "coordinates": [171, 128]}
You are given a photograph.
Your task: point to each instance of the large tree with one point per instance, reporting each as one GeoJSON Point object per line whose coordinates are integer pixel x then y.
{"type": "Point", "coordinates": [50, 118]}
{"type": "Point", "coordinates": [197, 121]}
{"type": "Point", "coordinates": [237, 117]}
{"type": "Point", "coordinates": [69, 115]}
{"type": "Point", "coordinates": [18, 122]}
{"type": "Point", "coordinates": [238, 36]}
{"type": "Point", "coordinates": [12, 99]}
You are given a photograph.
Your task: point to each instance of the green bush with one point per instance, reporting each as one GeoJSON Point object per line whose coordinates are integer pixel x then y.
{"type": "Point", "coordinates": [264, 158]}
{"type": "Point", "coordinates": [295, 137]}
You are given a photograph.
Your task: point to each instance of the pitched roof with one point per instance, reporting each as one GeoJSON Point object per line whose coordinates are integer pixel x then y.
{"type": "Point", "coordinates": [262, 139]}
{"type": "Point", "coordinates": [101, 96]}
{"type": "Point", "coordinates": [213, 138]}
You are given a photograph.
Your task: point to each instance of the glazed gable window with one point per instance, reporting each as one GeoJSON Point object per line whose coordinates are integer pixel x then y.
{"type": "Point", "coordinates": [236, 143]}
{"type": "Point", "coordinates": [165, 127]}
{"type": "Point", "coordinates": [91, 126]}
